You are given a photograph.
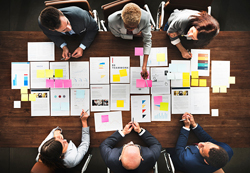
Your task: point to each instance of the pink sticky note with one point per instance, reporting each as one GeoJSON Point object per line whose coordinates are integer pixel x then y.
{"type": "Point", "coordinates": [58, 83]}
{"type": "Point", "coordinates": [157, 100]}
{"type": "Point", "coordinates": [67, 83]}
{"type": "Point", "coordinates": [50, 83]}
{"type": "Point", "coordinates": [140, 83]}
{"type": "Point", "coordinates": [138, 51]}
{"type": "Point", "coordinates": [105, 118]}
{"type": "Point", "coordinates": [149, 82]}
{"type": "Point", "coordinates": [148, 75]}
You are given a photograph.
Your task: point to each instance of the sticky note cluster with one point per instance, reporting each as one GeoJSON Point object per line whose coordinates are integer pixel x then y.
{"type": "Point", "coordinates": [158, 102]}
{"type": "Point", "coordinates": [58, 83]}
{"type": "Point", "coordinates": [141, 83]}
{"type": "Point", "coordinates": [185, 79]}
{"type": "Point", "coordinates": [49, 73]}
{"type": "Point", "coordinates": [122, 73]}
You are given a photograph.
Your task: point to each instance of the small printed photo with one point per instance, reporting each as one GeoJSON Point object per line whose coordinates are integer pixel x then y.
{"type": "Point", "coordinates": [40, 95]}
{"type": "Point", "coordinates": [180, 93]}
{"type": "Point", "coordinates": [44, 95]}
{"type": "Point", "coordinates": [185, 93]}
{"type": "Point", "coordinates": [176, 93]}
{"type": "Point", "coordinates": [154, 79]}
{"type": "Point", "coordinates": [100, 102]}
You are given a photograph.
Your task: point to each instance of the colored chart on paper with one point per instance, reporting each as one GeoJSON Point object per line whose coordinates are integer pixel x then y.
{"type": "Point", "coordinates": [101, 65]}
{"type": "Point", "coordinates": [202, 61]}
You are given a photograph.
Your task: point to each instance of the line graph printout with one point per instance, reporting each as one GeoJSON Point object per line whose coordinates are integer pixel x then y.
{"type": "Point", "coordinates": [79, 101]}
{"type": "Point", "coordinates": [79, 74]}
{"type": "Point", "coordinates": [161, 106]}
{"type": "Point", "coordinates": [108, 121]}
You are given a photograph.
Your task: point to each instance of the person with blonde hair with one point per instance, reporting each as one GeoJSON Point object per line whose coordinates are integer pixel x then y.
{"type": "Point", "coordinates": [132, 21]}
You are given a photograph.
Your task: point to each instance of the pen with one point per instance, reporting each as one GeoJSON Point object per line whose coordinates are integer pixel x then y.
{"type": "Point", "coordinates": [83, 113]}
{"type": "Point", "coordinates": [188, 52]}
{"type": "Point", "coordinates": [184, 35]}
{"type": "Point", "coordinates": [65, 58]}
{"type": "Point", "coordinates": [182, 119]}
{"type": "Point", "coordinates": [133, 120]}
{"type": "Point", "coordinates": [146, 83]}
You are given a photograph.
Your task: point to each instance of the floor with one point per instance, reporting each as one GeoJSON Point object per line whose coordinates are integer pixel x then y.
{"type": "Point", "coordinates": [232, 16]}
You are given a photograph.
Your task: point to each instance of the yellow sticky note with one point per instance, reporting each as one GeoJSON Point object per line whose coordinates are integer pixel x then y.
{"type": "Point", "coordinates": [32, 97]}
{"type": "Point", "coordinates": [163, 106]}
{"type": "Point", "coordinates": [58, 72]}
{"type": "Point", "coordinates": [194, 82]}
{"type": "Point", "coordinates": [24, 90]}
{"type": "Point", "coordinates": [232, 80]}
{"type": "Point", "coordinates": [123, 72]}
{"type": "Point", "coordinates": [216, 89]}
{"type": "Point", "coordinates": [102, 76]}
{"type": "Point", "coordinates": [40, 74]}
{"type": "Point", "coordinates": [186, 83]}
{"type": "Point", "coordinates": [116, 78]}
{"type": "Point", "coordinates": [223, 89]}
{"type": "Point", "coordinates": [49, 73]}
{"type": "Point", "coordinates": [160, 57]}
{"type": "Point", "coordinates": [195, 74]}
{"type": "Point", "coordinates": [120, 103]}
{"type": "Point", "coordinates": [203, 82]}
{"type": "Point", "coordinates": [185, 75]}
{"type": "Point", "coordinates": [24, 97]}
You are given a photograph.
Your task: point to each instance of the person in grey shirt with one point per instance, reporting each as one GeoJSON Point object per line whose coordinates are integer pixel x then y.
{"type": "Point", "coordinates": [132, 21]}
{"type": "Point", "coordinates": [192, 24]}
{"type": "Point", "coordinates": [56, 153]}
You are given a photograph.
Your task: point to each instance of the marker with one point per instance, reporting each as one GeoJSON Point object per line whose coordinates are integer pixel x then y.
{"type": "Point", "coordinates": [83, 113]}
{"type": "Point", "coordinates": [182, 119]}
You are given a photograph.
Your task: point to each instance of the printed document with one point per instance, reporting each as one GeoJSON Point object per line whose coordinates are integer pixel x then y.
{"type": "Point", "coordinates": [160, 83]}
{"type": "Point", "coordinates": [36, 80]}
{"type": "Point", "coordinates": [119, 69]}
{"type": "Point", "coordinates": [79, 101]}
{"type": "Point", "coordinates": [161, 107]}
{"type": "Point", "coordinates": [99, 98]}
{"type": "Point", "coordinates": [120, 97]}
{"type": "Point", "coordinates": [158, 57]}
{"type": "Point", "coordinates": [59, 101]}
{"type": "Point", "coordinates": [200, 61]}
{"type": "Point", "coordinates": [179, 66]}
{"type": "Point", "coordinates": [136, 74]}
{"type": "Point", "coordinates": [99, 70]}
{"type": "Point", "coordinates": [61, 65]}
{"type": "Point", "coordinates": [41, 51]}
{"type": "Point", "coordinates": [140, 108]}
{"type": "Point", "coordinates": [20, 75]}
{"type": "Point", "coordinates": [41, 106]}
{"type": "Point", "coordinates": [220, 73]}
{"type": "Point", "coordinates": [181, 101]}
{"type": "Point", "coordinates": [79, 74]}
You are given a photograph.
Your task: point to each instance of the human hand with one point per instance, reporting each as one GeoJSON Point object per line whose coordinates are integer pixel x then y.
{"type": "Point", "coordinates": [127, 129]}
{"type": "Point", "coordinates": [144, 73]}
{"type": "Point", "coordinates": [185, 54]}
{"type": "Point", "coordinates": [84, 115]}
{"type": "Point", "coordinates": [192, 122]}
{"type": "Point", "coordinates": [66, 54]}
{"type": "Point", "coordinates": [173, 35]}
{"type": "Point", "coordinates": [187, 120]}
{"type": "Point", "coordinates": [136, 127]}
{"type": "Point", "coordinates": [139, 34]}
{"type": "Point", "coordinates": [57, 134]}
{"type": "Point", "coordinates": [77, 53]}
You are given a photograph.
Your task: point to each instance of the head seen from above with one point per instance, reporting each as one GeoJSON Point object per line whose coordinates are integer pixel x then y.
{"type": "Point", "coordinates": [131, 156]}
{"type": "Point", "coordinates": [131, 16]}
{"type": "Point", "coordinates": [54, 20]}
{"type": "Point", "coordinates": [213, 154]}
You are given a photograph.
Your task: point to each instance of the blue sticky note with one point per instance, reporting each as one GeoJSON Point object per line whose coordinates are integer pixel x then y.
{"type": "Point", "coordinates": [181, 68]}
{"type": "Point", "coordinates": [64, 106]}
{"type": "Point", "coordinates": [173, 68]}
{"type": "Point", "coordinates": [55, 106]}
{"type": "Point", "coordinates": [80, 94]}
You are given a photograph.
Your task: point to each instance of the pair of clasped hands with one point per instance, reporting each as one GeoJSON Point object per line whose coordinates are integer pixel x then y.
{"type": "Point", "coordinates": [131, 125]}
{"type": "Point", "coordinates": [188, 120]}
{"type": "Point", "coordinates": [67, 55]}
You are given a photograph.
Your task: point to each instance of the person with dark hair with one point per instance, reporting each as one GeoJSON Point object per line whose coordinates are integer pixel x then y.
{"type": "Point", "coordinates": [131, 157]}
{"type": "Point", "coordinates": [56, 153]}
{"type": "Point", "coordinates": [55, 23]}
{"type": "Point", "coordinates": [206, 157]}
{"type": "Point", "coordinates": [194, 25]}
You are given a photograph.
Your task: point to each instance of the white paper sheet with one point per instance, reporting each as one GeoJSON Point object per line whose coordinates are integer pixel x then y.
{"type": "Point", "coordinates": [180, 66]}
{"type": "Point", "coordinates": [140, 108]}
{"type": "Point", "coordinates": [38, 82]}
{"type": "Point", "coordinates": [157, 114]}
{"type": "Point", "coordinates": [152, 58]}
{"type": "Point", "coordinates": [108, 121]}
{"type": "Point", "coordinates": [41, 51]}
{"type": "Point", "coordinates": [79, 101]}
{"type": "Point", "coordinates": [99, 98]}
{"type": "Point", "coordinates": [118, 63]}
{"type": "Point", "coordinates": [59, 101]}
{"type": "Point", "coordinates": [160, 84]}
{"type": "Point", "coordinates": [181, 101]}
{"type": "Point", "coordinates": [200, 61]}
{"type": "Point", "coordinates": [136, 74]}
{"type": "Point", "coordinates": [40, 107]}
{"type": "Point", "coordinates": [99, 70]}
{"type": "Point", "coordinates": [79, 74]}
{"type": "Point", "coordinates": [220, 73]}
{"type": "Point", "coordinates": [20, 75]}
{"type": "Point", "coordinates": [200, 100]}
{"type": "Point", "coordinates": [61, 65]}
{"type": "Point", "coordinates": [120, 93]}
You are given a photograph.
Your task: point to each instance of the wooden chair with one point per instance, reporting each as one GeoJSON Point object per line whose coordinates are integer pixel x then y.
{"type": "Point", "coordinates": [166, 8]}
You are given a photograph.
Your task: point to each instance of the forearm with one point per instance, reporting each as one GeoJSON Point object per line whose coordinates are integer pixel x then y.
{"type": "Point", "coordinates": [84, 123]}
{"type": "Point", "coordinates": [180, 47]}
{"type": "Point", "coordinates": [145, 60]}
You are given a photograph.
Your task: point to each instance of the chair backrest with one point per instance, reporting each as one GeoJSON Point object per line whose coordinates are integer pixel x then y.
{"type": "Point", "coordinates": [39, 167]}
{"type": "Point", "coordinates": [83, 4]}
{"type": "Point", "coordinates": [118, 5]}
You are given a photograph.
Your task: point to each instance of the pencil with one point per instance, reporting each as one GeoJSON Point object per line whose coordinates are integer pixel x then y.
{"type": "Point", "coordinates": [182, 119]}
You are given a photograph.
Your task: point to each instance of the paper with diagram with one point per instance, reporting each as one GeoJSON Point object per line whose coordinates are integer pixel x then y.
{"type": "Point", "coordinates": [79, 74]}
{"type": "Point", "coordinates": [119, 69]}
{"type": "Point", "coordinates": [60, 65]}
{"type": "Point", "coordinates": [99, 98]}
{"type": "Point", "coordinates": [200, 61]}
{"type": "Point", "coordinates": [161, 107]}
{"type": "Point", "coordinates": [59, 102]}
{"type": "Point", "coordinates": [140, 108]}
{"type": "Point", "coordinates": [79, 101]}
{"type": "Point", "coordinates": [136, 74]}
{"type": "Point", "coordinates": [99, 70]}
{"type": "Point", "coordinates": [160, 83]}
{"type": "Point", "coordinates": [20, 75]}
{"type": "Point", "coordinates": [38, 79]}
{"type": "Point", "coordinates": [120, 97]}
{"type": "Point", "coordinates": [158, 57]}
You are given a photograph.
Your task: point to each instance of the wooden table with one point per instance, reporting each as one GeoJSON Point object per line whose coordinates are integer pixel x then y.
{"type": "Point", "coordinates": [19, 129]}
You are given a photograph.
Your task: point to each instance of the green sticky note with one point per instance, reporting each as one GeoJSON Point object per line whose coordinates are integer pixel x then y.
{"type": "Point", "coordinates": [195, 74]}
{"type": "Point", "coordinates": [58, 72]}
{"type": "Point", "coordinates": [24, 90]}
{"type": "Point", "coordinates": [185, 75]}
{"type": "Point", "coordinates": [194, 82]}
{"type": "Point", "coordinates": [186, 83]}
{"type": "Point", "coordinates": [163, 106]}
{"type": "Point", "coordinates": [40, 74]}
{"type": "Point", "coordinates": [203, 82]}
{"type": "Point", "coordinates": [116, 78]}
{"type": "Point", "coordinates": [32, 97]}
{"type": "Point", "coordinates": [24, 97]}
{"type": "Point", "coordinates": [216, 89]}
{"type": "Point", "coordinates": [123, 72]}
{"type": "Point", "coordinates": [49, 73]}
{"type": "Point", "coordinates": [120, 103]}
{"type": "Point", "coordinates": [160, 57]}
{"type": "Point", "coordinates": [223, 89]}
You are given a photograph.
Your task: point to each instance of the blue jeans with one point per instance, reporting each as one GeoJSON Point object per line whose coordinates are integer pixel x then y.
{"type": "Point", "coordinates": [166, 27]}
